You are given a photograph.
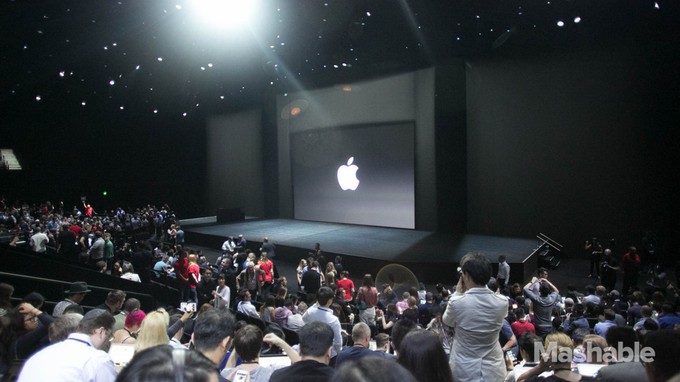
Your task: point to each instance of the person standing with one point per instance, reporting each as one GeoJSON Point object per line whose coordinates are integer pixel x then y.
{"type": "Point", "coordinates": [368, 294]}
{"type": "Point", "coordinates": [109, 253]}
{"type": "Point", "coordinates": [194, 278]}
{"type": "Point", "coordinates": [266, 266]}
{"type": "Point", "coordinates": [476, 314]}
{"type": "Point", "coordinates": [321, 311]}
{"type": "Point", "coordinates": [631, 269]}
{"type": "Point", "coordinates": [594, 249]}
{"type": "Point", "coordinates": [39, 240]}
{"type": "Point", "coordinates": [503, 276]}
{"type": "Point", "coordinates": [222, 294]}
{"type": "Point", "coordinates": [181, 267]}
{"type": "Point", "coordinates": [347, 285]}
{"type": "Point", "coordinates": [543, 304]}
{"type": "Point", "coordinates": [268, 248]}
{"type": "Point", "coordinates": [311, 282]}
{"type": "Point", "coordinates": [67, 242]}
{"type": "Point", "coordinates": [96, 251]}
{"type": "Point", "coordinates": [608, 269]}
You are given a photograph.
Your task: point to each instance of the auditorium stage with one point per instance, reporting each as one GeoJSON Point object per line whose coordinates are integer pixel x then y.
{"type": "Point", "coordinates": [431, 256]}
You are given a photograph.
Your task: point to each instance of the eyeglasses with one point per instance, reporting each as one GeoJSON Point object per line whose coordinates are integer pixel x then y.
{"type": "Point", "coordinates": [31, 319]}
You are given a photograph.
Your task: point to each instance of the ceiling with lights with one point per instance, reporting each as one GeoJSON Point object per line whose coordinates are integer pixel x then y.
{"type": "Point", "coordinates": [188, 58]}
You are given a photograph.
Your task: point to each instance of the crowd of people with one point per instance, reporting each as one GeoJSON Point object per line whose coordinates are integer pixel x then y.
{"type": "Point", "coordinates": [240, 308]}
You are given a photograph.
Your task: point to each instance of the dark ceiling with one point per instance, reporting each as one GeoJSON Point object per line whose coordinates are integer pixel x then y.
{"type": "Point", "coordinates": [153, 57]}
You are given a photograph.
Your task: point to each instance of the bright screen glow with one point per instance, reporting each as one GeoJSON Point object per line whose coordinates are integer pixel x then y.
{"type": "Point", "coordinates": [355, 174]}
{"type": "Point", "coordinates": [225, 14]}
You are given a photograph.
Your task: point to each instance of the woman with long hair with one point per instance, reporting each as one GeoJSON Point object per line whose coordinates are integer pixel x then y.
{"type": "Point", "coordinates": [28, 331]}
{"type": "Point", "coordinates": [557, 358]}
{"type": "Point", "coordinates": [154, 330]}
{"type": "Point", "coordinates": [331, 273]}
{"type": "Point", "coordinates": [267, 309]}
{"type": "Point", "coordinates": [367, 299]}
{"type": "Point", "coordinates": [301, 268]}
{"type": "Point", "coordinates": [421, 352]}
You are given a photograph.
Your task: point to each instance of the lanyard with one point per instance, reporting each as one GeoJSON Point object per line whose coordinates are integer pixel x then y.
{"type": "Point", "coordinates": [79, 340]}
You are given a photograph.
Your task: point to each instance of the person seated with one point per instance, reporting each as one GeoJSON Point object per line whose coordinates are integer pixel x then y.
{"type": "Point", "coordinates": [602, 327]}
{"type": "Point", "coordinates": [373, 370]}
{"type": "Point", "coordinates": [63, 326]}
{"type": "Point", "coordinates": [128, 335]}
{"type": "Point", "coordinates": [361, 337]}
{"type": "Point", "coordinates": [248, 341]}
{"type": "Point", "coordinates": [625, 367]}
{"type": "Point", "coordinates": [668, 319]}
{"type": "Point", "coordinates": [382, 344]}
{"type": "Point", "coordinates": [575, 320]}
{"type": "Point", "coordinates": [664, 366]}
{"type": "Point", "coordinates": [129, 272]}
{"type": "Point", "coordinates": [557, 358]}
{"type": "Point", "coordinates": [590, 296]}
{"type": "Point", "coordinates": [164, 363]}
{"type": "Point", "coordinates": [403, 304]}
{"type": "Point", "coordinates": [31, 328]}
{"type": "Point", "coordinates": [245, 306]}
{"type": "Point", "coordinates": [421, 353]}
{"type": "Point", "coordinates": [295, 321]}
{"type": "Point", "coordinates": [595, 350]}
{"type": "Point", "coordinates": [411, 312]}
{"type": "Point", "coordinates": [282, 313]}
{"type": "Point", "coordinates": [316, 344]}
{"type": "Point", "coordinates": [163, 268]}
{"type": "Point", "coordinates": [529, 346]}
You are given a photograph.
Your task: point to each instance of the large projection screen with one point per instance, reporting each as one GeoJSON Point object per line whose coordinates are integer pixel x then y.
{"type": "Point", "coordinates": [384, 158]}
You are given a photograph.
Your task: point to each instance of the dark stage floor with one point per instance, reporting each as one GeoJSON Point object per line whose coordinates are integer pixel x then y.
{"type": "Point", "coordinates": [432, 257]}
{"type": "Point", "coordinates": [423, 252]}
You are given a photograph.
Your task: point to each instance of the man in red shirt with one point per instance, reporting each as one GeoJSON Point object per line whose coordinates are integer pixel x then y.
{"type": "Point", "coordinates": [194, 278]}
{"type": "Point", "coordinates": [181, 266]}
{"type": "Point", "coordinates": [522, 324]}
{"type": "Point", "coordinates": [631, 269]}
{"type": "Point", "coordinates": [346, 284]}
{"type": "Point", "coordinates": [267, 267]}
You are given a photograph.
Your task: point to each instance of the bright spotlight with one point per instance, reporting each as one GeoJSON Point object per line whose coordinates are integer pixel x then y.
{"type": "Point", "coordinates": [225, 13]}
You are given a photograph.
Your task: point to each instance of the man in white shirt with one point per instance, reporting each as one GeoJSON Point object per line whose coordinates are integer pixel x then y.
{"type": "Point", "coordinates": [246, 307]}
{"type": "Point", "coordinates": [39, 241]}
{"type": "Point", "coordinates": [503, 276]}
{"type": "Point", "coordinates": [321, 311]}
{"type": "Point", "coordinates": [77, 358]}
{"type": "Point", "coordinates": [229, 246]}
{"type": "Point", "coordinates": [476, 313]}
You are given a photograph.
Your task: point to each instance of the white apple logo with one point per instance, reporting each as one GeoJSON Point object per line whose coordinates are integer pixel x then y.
{"type": "Point", "coordinates": [347, 176]}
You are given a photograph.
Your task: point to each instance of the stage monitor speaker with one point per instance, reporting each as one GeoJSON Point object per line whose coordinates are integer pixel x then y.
{"type": "Point", "coordinates": [227, 215]}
